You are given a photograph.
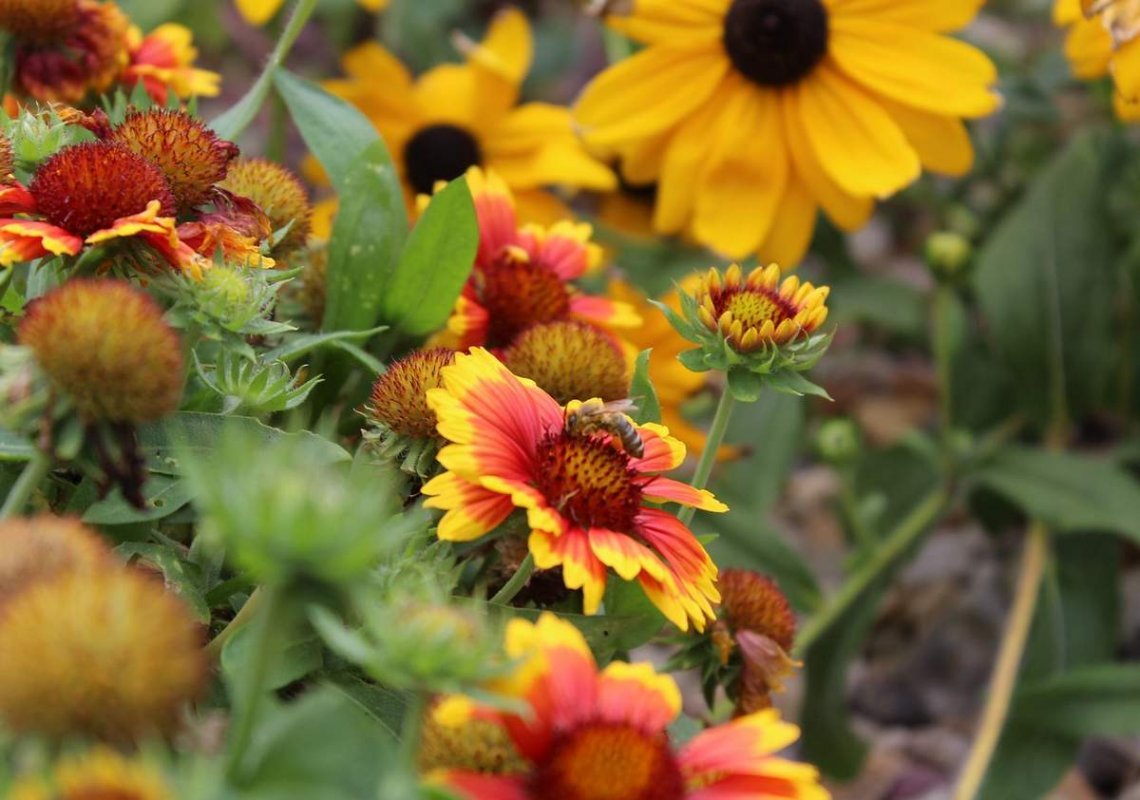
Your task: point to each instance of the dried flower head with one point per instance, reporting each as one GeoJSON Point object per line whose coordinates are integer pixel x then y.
{"type": "Point", "coordinates": [100, 774]}
{"type": "Point", "coordinates": [88, 187]}
{"type": "Point", "coordinates": [109, 654]}
{"type": "Point", "coordinates": [38, 548]}
{"type": "Point", "coordinates": [399, 396]}
{"type": "Point", "coordinates": [105, 345]}
{"type": "Point", "coordinates": [571, 360]}
{"type": "Point", "coordinates": [191, 156]}
{"type": "Point", "coordinates": [279, 193]}
{"type": "Point", "coordinates": [750, 601]}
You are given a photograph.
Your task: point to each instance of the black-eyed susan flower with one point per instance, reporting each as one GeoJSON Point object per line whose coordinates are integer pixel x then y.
{"type": "Point", "coordinates": [593, 734]}
{"type": "Point", "coordinates": [277, 192]}
{"type": "Point", "coordinates": [105, 346]}
{"type": "Point", "coordinates": [755, 325]}
{"type": "Point", "coordinates": [1102, 40]}
{"type": "Point", "coordinates": [584, 493]}
{"type": "Point", "coordinates": [674, 383]}
{"type": "Point", "coordinates": [522, 274]}
{"type": "Point", "coordinates": [99, 774]}
{"type": "Point", "coordinates": [41, 547]}
{"type": "Point", "coordinates": [259, 12]}
{"type": "Point", "coordinates": [94, 193]}
{"type": "Point", "coordinates": [403, 425]}
{"type": "Point", "coordinates": [163, 62]}
{"type": "Point", "coordinates": [570, 360]}
{"type": "Point", "coordinates": [461, 115]}
{"type": "Point", "coordinates": [786, 106]}
{"type": "Point", "coordinates": [109, 654]}
{"type": "Point", "coordinates": [190, 156]}
{"type": "Point", "coordinates": [65, 49]}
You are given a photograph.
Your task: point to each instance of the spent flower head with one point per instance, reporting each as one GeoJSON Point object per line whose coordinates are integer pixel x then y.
{"type": "Point", "coordinates": [402, 424]}
{"type": "Point", "coordinates": [278, 193]}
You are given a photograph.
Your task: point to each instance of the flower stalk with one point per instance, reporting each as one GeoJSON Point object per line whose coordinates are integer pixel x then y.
{"type": "Point", "coordinates": [708, 456]}
{"type": "Point", "coordinates": [515, 585]}
{"type": "Point", "coordinates": [21, 492]}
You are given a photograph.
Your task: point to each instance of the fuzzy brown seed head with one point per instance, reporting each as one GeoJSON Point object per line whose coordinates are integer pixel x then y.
{"type": "Point", "coordinates": [189, 154]}
{"type": "Point", "coordinates": [7, 160]}
{"type": "Point", "coordinates": [105, 345]}
{"type": "Point", "coordinates": [87, 187]}
{"type": "Point", "coordinates": [571, 360]}
{"type": "Point", "coordinates": [39, 21]}
{"type": "Point", "coordinates": [109, 654]}
{"type": "Point", "coordinates": [42, 547]}
{"type": "Point", "coordinates": [399, 396]}
{"type": "Point", "coordinates": [279, 193]}
{"type": "Point", "coordinates": [752, 602]}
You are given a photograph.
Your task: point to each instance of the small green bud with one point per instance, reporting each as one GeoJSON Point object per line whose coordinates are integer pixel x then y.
{"type": "Point", "coordinates": [838, 440]}
{"type": "Point", "coordinates": [948, 253]}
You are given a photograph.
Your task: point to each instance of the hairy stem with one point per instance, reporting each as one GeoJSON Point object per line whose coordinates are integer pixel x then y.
{"type": "Point", "coordinates": [712, 447]}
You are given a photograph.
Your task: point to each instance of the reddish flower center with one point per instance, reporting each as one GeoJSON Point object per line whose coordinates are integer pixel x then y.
{"type": "Point", "coordinates": [85, 188]}
{"type": "Point", "coordinates": [609, 762]}
{"type": "Point", "coordinates": [588, 480]}
{"type": "Point", "coordinates": [518, 293]}
{"type": "Point", "coordinates": [399, 396]}
{"type": "Point", "coordinates": [754, 306]}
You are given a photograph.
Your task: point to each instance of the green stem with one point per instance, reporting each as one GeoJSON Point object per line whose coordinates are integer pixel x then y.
{"type": "Point", "coordinates": [240, 620]}
{"type": "Point", "coordinates": [515, 585]}
{"type": "Point", "coordinates": [892, 548]}
{"type": "Point", "coordinates": [25, 486]}
{"type": "Point", "coordinates": [942, 339]}
{"type": "Point", "coordinates": [712, 447]}
{"type": "Point", "coordinates": [270, 631]}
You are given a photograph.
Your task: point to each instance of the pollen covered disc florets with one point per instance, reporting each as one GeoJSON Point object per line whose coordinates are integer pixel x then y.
{"type": "Point", "coordinates": [105, 345]}
{"type": "Point", "coordinates": [518, 293]}
{"type": "Point", "coordinates": [399, 396]}
{"type": "Point", "coordinates": [39, 21]}
{"type": "Point", "coordinates": [191, 156]}
{"type": "Point", "coordinates": [110, 654]}
{"type": "Point", "coordinates": [87, 187]}
{"type": "Point", "coordinates": [589, 480]}
{"type": "Point", "coordinates": [279, 193]}
{"type": "Point", "coordinates": [759, 310]}
{"type": "Point", "coordinates": [609, 762]}
{"type": "Point", "coordinates": [42, 547]}
{"type": "Point", "coordinates": [571, 360]}
{"type": "Point", "coordinates": [100, 774]}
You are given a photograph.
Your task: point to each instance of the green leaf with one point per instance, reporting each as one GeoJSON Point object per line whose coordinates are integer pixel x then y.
{"type": "Point", "coordinates": [301, 655]}
{"type": "Point", "coordinates": [386, 706]}
{"type": "Point", "coordinates": [891, 304]}
{"type": "Point", "coordinates": [435, 263]}
{"type": "Point", "coordinates": [1100, 700]}
{"type": "Point", "coordinates": [745, 386]}
{"type": "Point", "coordinates": [1028, 764]}
{"type": "Point", "coordinates": [794, 383]}
{"type": "Point", "coordinates": [754, 544]}
{"type": "Point", "coordinates": [1046, 283]}
{"type": "Point", "coordinates": [642, 391]}
{"type": "Point", "coordinates": [694, 360]}
{"type": "Point", "coordinates": [626, 599]}
{"type": "Point", "coordinates": [301, 345]}
{"type": "Point", "coordinates": [14, 447]}
{"type": "Point", "coordinates": [336, 133]}
{"type": "Point", "coordinates": [181, 576]}
{"type": "Point", "coordinates": [368, 236]}
{"type": "Point", "coordinates": [163, 495]}
{"type": "Point", "coordinates": [1068, 492]}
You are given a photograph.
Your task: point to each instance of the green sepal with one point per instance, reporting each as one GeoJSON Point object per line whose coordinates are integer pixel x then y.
{"type": "Point", "coordinates": [694, 360]}
{"type": "Point", "coordinates": [744, 385]}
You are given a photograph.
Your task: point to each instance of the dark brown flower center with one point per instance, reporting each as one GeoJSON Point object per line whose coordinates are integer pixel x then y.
{"type": "Point", "coordinates": [776, 42]}
{"type": "Point", "coordinates": [589, 481]}
{"type": "Point", "coordinates": [609, 762]}
{"type": "Point", "coordinates": [439, 153]}
{"type": "Point", "coordinates": [518, 293]}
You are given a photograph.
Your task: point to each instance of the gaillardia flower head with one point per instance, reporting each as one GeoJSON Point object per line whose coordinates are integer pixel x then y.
{"type": "Point", "coordinates": [522, 274]}
{"type": "Point", "coordinates": [754, 326]}
{"type": "Point", "coordinates": [190, 156]}
{"type": "Point", "coordinates": [461, 115]}
{"type": "Point", "coordinates": [584, 479]}
{"type": "Point", "coordinates": [163, 62]}
{"type": "Point", "coordinates": [105, 346]}
{"type": "Point", "coordinates": [109, 654]}
{"type": "Point", "coordinates": [595, 735]}
{"type": "Point", "coordinates": [38, 548]}
{"type": "Point", "coordinates": [403, 424]}
{"type": "Point", "coordinates": [100, 774]}
{"type": "Point", "coordinates": [1102, 40]}
{"type": "Point", "coordinates": [570, 360]}
{"type": "Point", "coordinates": [278, 193]}
{"type": "Point", "coordinates": [65, 49]}
{"type": "Point", "coordinates": [788, 106]}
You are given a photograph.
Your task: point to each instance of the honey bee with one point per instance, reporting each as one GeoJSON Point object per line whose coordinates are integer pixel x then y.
{"type": "Point", "coordinates": [598, 417]}
{"type": "Point", "coordinates": [1121, 17]}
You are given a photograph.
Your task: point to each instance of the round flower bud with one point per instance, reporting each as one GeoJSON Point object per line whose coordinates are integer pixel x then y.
{"type": "Point", "coordinates": [109, 654]}
{"type": "Point", "coordinates": [838, 440]}
{"type": "Point", "coordinates": [105, 345]}
{"type": "Point", "coordinates": [37, 548]}
{"type": "Point", "coordinates": [948, 253]}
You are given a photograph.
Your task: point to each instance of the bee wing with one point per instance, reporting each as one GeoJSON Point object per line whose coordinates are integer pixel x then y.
{"type": "Point", "coordinates": [626, 406]}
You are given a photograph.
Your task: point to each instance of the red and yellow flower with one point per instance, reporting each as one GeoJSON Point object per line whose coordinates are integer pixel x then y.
{"type": "Point", "coordinates": [593, 734]}
{"type": "Point", "coordinates": [522, 274]}
{"type": "Point", "coordinates": [759, 310]}
{"type": "Point", "coordinates": [163, 62]}
{"type": "Point", "coordinates": [585, 495]}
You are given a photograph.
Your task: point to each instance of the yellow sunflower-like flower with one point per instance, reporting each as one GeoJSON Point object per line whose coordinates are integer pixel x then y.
{"type": "Point", "coordinates": [585, 493]}
{"type": "Point", "coordinates": [1102, 40]}
{"type": "Point", "coordinates": [101, 774]}
{"type": "Point", "coordinates": [259, 12]}
{"type": "Point", "coordinates": [751, 115]}
{"type": "Point", "coordinates": [461, 115]}
{"type": "Point", "coordinates": [595, 734]}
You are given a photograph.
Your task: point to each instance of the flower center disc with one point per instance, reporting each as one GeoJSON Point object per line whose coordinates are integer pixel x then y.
{"type": "Point", "coordinates": [776, 42]}
{"type": "Point", "coordinates": [609, 762]}
{"type": "Point", "coordinates": [589, 481]}
{"type": "Point", "coordinates": [518, 294]}
{"type": "Point", "coordinates": [439, 153]}
{"type": "Point", "coordinates": [754, 307]}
